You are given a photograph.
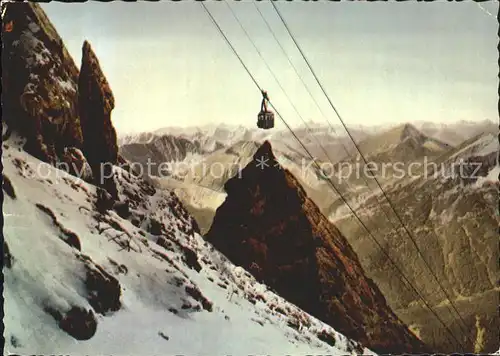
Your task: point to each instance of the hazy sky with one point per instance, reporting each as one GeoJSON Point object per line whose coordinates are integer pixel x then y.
{"type": "Point", "coordinates": [379, 62]}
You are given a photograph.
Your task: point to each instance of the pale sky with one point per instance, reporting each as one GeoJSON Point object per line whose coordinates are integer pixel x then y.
{"type": "Point", "coordinates": [380, 62]}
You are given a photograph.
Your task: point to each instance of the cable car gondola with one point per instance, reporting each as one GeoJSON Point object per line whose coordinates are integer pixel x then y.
{"type": "Point", "coordinates": [265, 118]}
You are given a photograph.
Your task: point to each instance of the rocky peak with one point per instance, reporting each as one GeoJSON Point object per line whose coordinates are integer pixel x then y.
{"type": "Point", "coordinates": [409, 130]}
{"type": "Point", "coordinates": [269, 226]}
{"type": "Point", "coordinates": [90, 67]}
{"type": "Point", "coordinates": [96, 103]}
{"type": "Point", "coordinates": [265, 150]}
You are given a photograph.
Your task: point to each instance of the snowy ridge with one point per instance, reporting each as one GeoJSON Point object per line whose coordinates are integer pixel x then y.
{"type": "Point", "coordinates": [483, 146]}
{"type": "Point", "coordinates": [168, 305]}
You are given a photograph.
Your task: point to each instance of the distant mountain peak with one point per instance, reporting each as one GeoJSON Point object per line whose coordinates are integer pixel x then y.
{"type": "Point", "coordinates": [403, 132]}
{"type": "Point", "coordinates": [409, 129]}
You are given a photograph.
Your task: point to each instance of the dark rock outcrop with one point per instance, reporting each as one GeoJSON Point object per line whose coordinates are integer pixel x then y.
{"type": "Point", "coordinates": [104, 290]}
{"type": "Point", "coordinates": [77, 322]}
{"type": "Point", "coordinates": [122, 208]}
{"type": "Point", "coordinates": [7, 257]}
{"type": "Point", "coordinates": [7, 187]}
{"type": "Point", "coordinates": [270, 227]}
{"type": "Point", "coordinates": [103, 201]}
{"type": "Point", "coordinates": [154, 227]}
{"type": "Point", "coordinates": [65, 234]}
{"type": "Point", "coordinates": [96, 103]}
{"type": "Point", "coordinates": [76, 164]}
{"type": "Point", "coordinates": [197, 295]}
{"type": "Point", "coordinates": [39, 83]}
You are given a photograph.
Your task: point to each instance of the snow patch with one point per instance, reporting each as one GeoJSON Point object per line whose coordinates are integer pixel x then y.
{"type": "Point", "coordinates": [484, 146]}
{"type": "Point", "coordinates": [33, 27]}
{"type": "Point", "coordinates": [492, 177]}
{"type": "Point", "coordinates": [66, 85]}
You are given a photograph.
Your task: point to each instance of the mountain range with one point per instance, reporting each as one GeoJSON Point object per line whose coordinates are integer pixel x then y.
{"type": "Point", "coordinates": [102, 259]}
{"type": "Point", "coordinates": [440, 208]}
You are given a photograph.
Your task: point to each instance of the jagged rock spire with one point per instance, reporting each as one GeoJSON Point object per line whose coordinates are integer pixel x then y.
{"type": "Point", "coordinates": [269, 226]}
{"type": "Point", "coordinates": [96, 103]}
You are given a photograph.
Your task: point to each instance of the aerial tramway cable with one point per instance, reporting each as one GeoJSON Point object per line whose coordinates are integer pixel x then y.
{"type": "Point", "coordinates": [376, 180]}
{"type": "Point", "coordinates": [288, 98]}
{"type": "Point", "coordinates": [295, 70]}
{"type": "Point", "coordinates": [332, 185]}
{"type": "Point", "coordinates": [346, 150]}
{"type": "Point", "coordinates": [276, 79]}
{"type": "Point", "coordinates": [396, 228]}
{"type": "Point", "coordinates": [349, 155]}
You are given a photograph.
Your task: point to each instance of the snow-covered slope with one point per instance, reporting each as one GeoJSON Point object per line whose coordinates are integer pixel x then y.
{"type": "Point", "coordinates": [482, 145]}
{"type": "Point", "coordinates": [121, 290]}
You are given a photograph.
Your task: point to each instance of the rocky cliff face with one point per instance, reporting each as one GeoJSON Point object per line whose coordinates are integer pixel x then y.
{"type": "Point", "coordinates": [57, 109]}
{"type": "Point", "coordinates": [39, 94]}
{"type": "Point", "coordinates": [270, 227]}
